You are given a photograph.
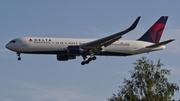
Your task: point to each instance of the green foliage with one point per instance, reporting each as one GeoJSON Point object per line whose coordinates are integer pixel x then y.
{"type": "Point", "coordinates": [148, 83]}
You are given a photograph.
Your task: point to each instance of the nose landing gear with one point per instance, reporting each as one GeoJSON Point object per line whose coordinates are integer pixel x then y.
{"type": "Point", "coordinates": [18, 54]}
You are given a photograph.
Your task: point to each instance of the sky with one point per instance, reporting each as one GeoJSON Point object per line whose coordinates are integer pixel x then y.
{"type": "Point", "coordinates": [43, 78]}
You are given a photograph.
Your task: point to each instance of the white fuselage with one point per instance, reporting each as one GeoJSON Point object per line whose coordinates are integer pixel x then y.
{"type": "Point", "coordinates": [39, 45]}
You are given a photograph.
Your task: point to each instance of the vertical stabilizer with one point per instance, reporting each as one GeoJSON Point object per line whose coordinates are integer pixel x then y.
{"type": "Point", "coordinates": [154, 33]}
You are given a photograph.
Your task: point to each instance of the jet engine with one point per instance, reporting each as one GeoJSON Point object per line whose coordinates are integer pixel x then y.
{"type": "Point", "coordinates": [65, 57]}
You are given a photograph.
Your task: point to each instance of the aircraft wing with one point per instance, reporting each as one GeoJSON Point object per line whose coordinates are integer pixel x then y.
{"type": "Point", "coordinates": [160, 44]}
{"type": "Point", "coordinates": [104, 42]}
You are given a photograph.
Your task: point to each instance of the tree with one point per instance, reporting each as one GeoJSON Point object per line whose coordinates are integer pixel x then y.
{"type": "Point", "coordinates": [148, 82]}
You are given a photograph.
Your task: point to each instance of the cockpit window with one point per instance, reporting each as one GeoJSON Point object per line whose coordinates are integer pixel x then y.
{"type": "Point", "coordinates": [13, 41]}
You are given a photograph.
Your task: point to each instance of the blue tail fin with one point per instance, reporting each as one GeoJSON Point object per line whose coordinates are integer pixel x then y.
{"type": "Point", "coordinates": [154, 33]}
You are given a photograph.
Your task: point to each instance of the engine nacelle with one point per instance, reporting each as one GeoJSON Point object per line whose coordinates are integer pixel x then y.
{"type": "Point", "coordinates": [65, 57]}
{"type": "Point", "coordinates": [74, 50]}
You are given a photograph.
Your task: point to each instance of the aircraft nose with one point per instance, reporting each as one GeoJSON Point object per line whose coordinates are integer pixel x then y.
{"type": "Point", "coordinates": [7, 46]}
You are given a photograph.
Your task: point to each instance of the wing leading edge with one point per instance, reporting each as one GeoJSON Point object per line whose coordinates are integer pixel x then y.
{"type": "Point", "coordinates": [109, 39]}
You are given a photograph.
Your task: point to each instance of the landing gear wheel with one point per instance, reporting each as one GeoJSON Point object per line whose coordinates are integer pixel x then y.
{"type": "Point", "coordinates": [83, 63]}
{"type": "Point", "coordinates": [94, 58]}
{"type": "Point", "coordinates": [18, 54]}
{"type": "Point", "coordinates": [87, 62]}
{"type": "Point", "coordinates": [89, 59]}
{"type": "Point", "coordinates": [19, 58]}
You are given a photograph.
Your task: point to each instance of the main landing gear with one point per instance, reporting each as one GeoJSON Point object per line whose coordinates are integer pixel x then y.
{"type": "Point", "coordinates": [18, 54]}
{"type": "Point", "coordinates": [88, 60]}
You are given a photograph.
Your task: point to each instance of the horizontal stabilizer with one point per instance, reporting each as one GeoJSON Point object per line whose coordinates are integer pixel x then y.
{"type": "Point", "coordinates": [160, 44]}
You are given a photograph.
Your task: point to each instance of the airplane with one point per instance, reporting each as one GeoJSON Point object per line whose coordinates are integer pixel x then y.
{"type": "Point", "coordinates": [69, 48]}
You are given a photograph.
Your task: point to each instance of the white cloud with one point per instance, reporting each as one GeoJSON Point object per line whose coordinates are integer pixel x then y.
{"type": "Point", "coordinates": [34, 92]}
